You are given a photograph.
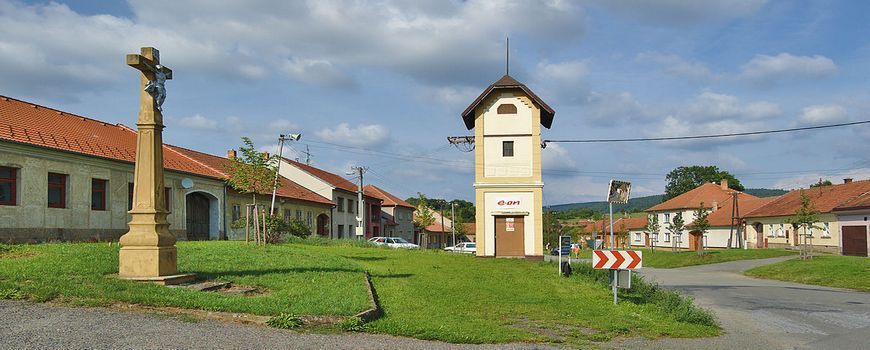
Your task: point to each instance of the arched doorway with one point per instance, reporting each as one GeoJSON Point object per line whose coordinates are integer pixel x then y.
{"type": "Point", "coordinates": [199, 208]}
{"type": "Point", "coordinates": [323, 225]}
{"type": "Point", "coordinates": [759, 235]}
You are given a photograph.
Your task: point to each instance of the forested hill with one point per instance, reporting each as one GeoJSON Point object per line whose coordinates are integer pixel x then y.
{"type": "Point", "coordinates": [644, 203]}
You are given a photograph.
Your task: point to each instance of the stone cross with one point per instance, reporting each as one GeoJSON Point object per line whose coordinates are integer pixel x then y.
{"type": "Point", "coordinates": [148, 249]}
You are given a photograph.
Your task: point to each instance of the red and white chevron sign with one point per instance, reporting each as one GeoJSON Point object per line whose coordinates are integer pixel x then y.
{"type": "Point", "coordinates": [616, 259]}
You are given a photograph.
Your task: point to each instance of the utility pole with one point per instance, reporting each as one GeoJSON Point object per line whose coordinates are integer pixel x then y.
{"type": "Point", "coordinates": [453, 224]}
{"type": "Point", "coordinates": [281, 139]}
{"type": "Point", "coordinates": [442, 221]}
{"type": "Point", "coordinates": [307, 154]}
{"type": "Point", "coordinates": [360, 213]}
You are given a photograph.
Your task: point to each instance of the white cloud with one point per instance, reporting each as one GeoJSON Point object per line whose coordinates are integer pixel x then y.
{"type": "Point", "coordinates": [804, 181]}
{"type": "Point", "coordinates": [360, 136]}
{"type": "Point", "coordinates": [715, 106]}
{"type": "Point", "coordinates": [568, 73]}
{"type": "Point", "coordinates": [198, 122]}
{"type": "Point", "coordinates": [317, 72]}
{"type": "Point", "coordinates": [822, 114]}
{"type": "Point", "coordinates": [681, 12]}
{"type": "Point", "coordinates": [603, 109]}
{"type": "Point", "coordinates": [556, 158]}
{"type": "Point", "coordinates": [770, 70]}
{"type": "Point", "coordinates": [677, 66]}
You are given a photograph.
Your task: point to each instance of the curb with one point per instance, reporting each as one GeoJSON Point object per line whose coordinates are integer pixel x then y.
{"type": "Point", "coordinates": [375, 311]}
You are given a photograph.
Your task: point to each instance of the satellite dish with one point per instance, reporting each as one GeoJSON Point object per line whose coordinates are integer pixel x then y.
{"type": "Point", "coordinates": [186, 183]}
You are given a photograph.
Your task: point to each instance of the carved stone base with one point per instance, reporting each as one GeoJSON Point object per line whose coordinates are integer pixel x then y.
{"type": "Point", "coordinates": [164, 280]}
{"type": "Point", "coordinates": [147, 261]}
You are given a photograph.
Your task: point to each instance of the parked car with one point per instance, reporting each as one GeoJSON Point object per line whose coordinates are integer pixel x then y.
{"type": "Point", "coordinates": [464, 247]}
{"type": "Point", "coordinates": [393, 242]}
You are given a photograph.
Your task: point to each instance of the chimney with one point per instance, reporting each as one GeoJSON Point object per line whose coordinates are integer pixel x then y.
{"type": "Point", "coordinates": [231, 154]}
{"type": "Point", "coordinates": [847, 180]}
{"type": "Point", "coordinates": [265, 155]}
{"type": "Point", "coordinates": [724, 184]}
{"type": "Point", "coordinates": [715, 205]}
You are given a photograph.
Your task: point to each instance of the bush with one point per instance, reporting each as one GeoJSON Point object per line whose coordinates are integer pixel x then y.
{"type": "Point", "coordinates": [277, 228]}
{"type": "Point", "coordinates": [285, 321]}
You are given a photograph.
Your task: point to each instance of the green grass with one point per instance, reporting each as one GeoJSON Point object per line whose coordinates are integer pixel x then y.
{"type": "Point", "coordinates": [425, 294]}
{"type": "Point", "coordinates": [667, 259]}
{"type": "Point", "coordinates": [826, 270]}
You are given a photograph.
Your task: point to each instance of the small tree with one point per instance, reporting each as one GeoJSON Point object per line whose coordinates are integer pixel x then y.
{"type": "Point", "coordinates": [652, 229]}
{"type": "Point", "coordinates": [621, 234]}
{"type": "Point", "coordinates": [805, 217]}
{"type": "Point", "coordinates": [252, 172]}
{"type": "Point", "coordinates": [676, 228]}
{"type": "Point", "coordinates": [701, 225]}
{"type": "Point", "coordinates": [423, 215]}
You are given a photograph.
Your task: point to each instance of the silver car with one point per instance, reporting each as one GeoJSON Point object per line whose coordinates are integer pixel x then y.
{"type": "Point", "coordinates": [393, 242]}
{"type": "Point", "coordinates": [464, 247]}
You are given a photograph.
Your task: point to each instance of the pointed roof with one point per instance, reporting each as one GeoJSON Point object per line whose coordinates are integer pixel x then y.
{"type": "Point", "coordinates": [824, 198]}
{"type": "Point", "coordinates": [722, 215]}
{"type": "Point", "coordinates": [508, 82]}
{"type": "Point", "coordinates": [705, 194]}
{"type": "Point", "coordinates": [333, 180]}
{"type": "Point", "coordinates": [388, 199]}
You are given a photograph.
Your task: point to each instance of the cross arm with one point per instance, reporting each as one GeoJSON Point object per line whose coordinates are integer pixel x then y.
{"type": "Point", "coordinates": [144, 64]}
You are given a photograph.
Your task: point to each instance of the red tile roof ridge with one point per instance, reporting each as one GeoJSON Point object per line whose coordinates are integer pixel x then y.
{"type": "Point", "coordinates": [389, 198]}
{"type": "Point", "coordinates": [60, 112]}
{"type": "Point", "coordinates": [172, 148]}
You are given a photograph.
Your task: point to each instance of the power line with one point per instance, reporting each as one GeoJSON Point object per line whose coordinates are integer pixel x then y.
{"type": "Point", "coordinates": [695, 137]}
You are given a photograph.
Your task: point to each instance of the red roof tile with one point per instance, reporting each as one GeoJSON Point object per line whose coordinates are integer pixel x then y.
{"type": "Point", "coordinates": [824, 199]}
{"type": "Point", "coordinates": [336, 181]}
{"type": "Point", "coordinates": [389, 200]}
{"type": "Point", "coordinates": [861, 202]}
{"type": "Point", "coordinates": [722, 216]}
{"type": "Point", "coordinates": [706, 194]}
{"type": "Point", "coordinates": [32, 124]}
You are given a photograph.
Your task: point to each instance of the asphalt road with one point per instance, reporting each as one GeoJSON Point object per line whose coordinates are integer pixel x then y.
{"type": "Point", "coordinates": [25, 325]}
{"type": "Point", "coordinates": [765, 314]}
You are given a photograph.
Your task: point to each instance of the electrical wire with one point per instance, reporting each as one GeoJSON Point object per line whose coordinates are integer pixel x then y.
{"type": "Point", "coordinates": [695, 137]}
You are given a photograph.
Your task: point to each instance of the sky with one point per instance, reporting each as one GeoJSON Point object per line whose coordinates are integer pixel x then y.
{"type": "Point", "coordinates": [382, 83]}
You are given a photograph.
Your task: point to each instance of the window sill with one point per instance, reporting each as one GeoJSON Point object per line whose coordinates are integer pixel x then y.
{"type": "Point", "coordinates": [826, 237]}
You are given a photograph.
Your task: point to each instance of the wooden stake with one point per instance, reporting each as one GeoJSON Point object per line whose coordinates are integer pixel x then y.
{"type": "Point", "coordinates": [247, 223]}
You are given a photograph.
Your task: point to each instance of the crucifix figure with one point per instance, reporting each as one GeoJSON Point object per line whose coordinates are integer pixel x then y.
{"type": "Point", "coordinates": [148, 249]}
{"type": "Point", "coordinates": [156, 74]}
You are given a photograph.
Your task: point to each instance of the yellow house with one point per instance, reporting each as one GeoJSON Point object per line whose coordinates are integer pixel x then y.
{"type": "Point", "coordinates": [769, 225]}
{"type": "Point", "coordinates": [507, 119]}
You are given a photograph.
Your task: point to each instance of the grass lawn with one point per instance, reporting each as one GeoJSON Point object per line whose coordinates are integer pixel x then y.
{"type": "Point", "coordinates": [825, 270]}
{"type": "Point", "coordinates": [425, 294]}
{"type": "Point", "coordinates": [667, 259]}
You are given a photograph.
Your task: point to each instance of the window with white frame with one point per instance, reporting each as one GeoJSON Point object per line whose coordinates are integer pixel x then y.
{"type": "Point", "coordinates": [827, 231]}
{"type": "Point", "coordinates": [637, 236]}
{"type": "Point", "coordinates": [781, 231]}
{"type": "Point", "coordinates": [770, 231]}
{"type": "Point", "coordinates": [667, 218]}
{"type": "Point", "coordinates": [667, 236]}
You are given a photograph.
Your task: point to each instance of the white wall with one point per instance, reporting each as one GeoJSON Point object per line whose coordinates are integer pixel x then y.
{"type": "Point", "coordinates": [492, 209]}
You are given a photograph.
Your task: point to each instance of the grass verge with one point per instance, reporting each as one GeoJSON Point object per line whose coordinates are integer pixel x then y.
{"type": "Point", "coordinates": [425, 294]}
{"type": "Point", "coordinates": [850, 272]}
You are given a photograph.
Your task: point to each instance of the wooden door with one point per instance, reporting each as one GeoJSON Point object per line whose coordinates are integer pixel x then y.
{"type": "Point", "coordinates": [509, 236]}
{"type": "Point", "coordinates": [694, 241]}
{"type": "Point", "coordinates": [855, 240]}
{"type": "Point", "coordinates": [197, 217]}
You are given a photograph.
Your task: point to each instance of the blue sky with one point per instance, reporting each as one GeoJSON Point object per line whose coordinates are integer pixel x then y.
{"type": "Point", "coordinates": [382, 83]}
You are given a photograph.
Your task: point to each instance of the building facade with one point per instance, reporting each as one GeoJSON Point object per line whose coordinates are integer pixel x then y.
{"type": "Point", "coordinates": [397, 216]}
{"type": "Point", "coordinates": [507, 119]}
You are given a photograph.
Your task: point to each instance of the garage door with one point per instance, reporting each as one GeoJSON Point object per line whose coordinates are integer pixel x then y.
{"type": "Point", "coordinates": [855, 240]}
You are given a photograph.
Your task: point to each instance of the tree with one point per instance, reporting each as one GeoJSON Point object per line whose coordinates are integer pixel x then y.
{"type": "Point", "coordinates": [805, 217]}
{"type": "Point", "coordinates": [683, 179]}
{"type": "Point", "coordinates": [253, 172]}
{"type": "Point", "coordinates": [676, 229]}
{"type": "Point", "coordinates": [652, 229]}
{"type": "Point", "coordinates": [552, 230]}
{"type": "Point", "coordinates": [621, 234]}
{"type": "Point", "coordinates": [701, 225]}
{"type": "Point", "coordinates": [821, 183]}
{"type": "Point", "coordinates": [423, 215]}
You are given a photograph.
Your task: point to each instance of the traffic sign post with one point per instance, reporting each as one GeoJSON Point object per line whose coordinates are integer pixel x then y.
{"type": "Point", "coordinates": [564, 250]}
{"type": "Point", "coordinates": [617, 192]}
{"type": "Point", "coordinates": [620, 263]}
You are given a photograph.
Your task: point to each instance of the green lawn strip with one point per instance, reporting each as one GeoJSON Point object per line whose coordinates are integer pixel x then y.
{"type": "Point", "coordinates": [667, 259]}
{"type": "Point", "coordinates": [825, 270]}
{"type": "Point", "coordinates": [425, 294]}
{"type": "Point", "coordinates": [297, 281]}
{"type": "Point", "coordinates": [462, 299]}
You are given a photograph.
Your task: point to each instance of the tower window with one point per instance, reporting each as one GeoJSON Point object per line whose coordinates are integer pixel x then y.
{"type": "Point", "coordinates": [507, 148]}
{"type": "Point", "coordinates": [507, 108]}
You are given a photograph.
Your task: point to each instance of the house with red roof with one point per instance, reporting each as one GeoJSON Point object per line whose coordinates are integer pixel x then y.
{"type": "Point", "coordinates": [843, 211]}
{"type": "Point", "coordinates": [340, 190]}
{"type": "Point", "coordinates": [717, 201]}
{"type": "Point", "coordinates": [66, 177]}
{"type": "Point", "coordinates": [396, 215]}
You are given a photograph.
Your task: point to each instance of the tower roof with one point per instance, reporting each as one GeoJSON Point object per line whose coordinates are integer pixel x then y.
{"type": "Point", "coordinates": [508, 82]}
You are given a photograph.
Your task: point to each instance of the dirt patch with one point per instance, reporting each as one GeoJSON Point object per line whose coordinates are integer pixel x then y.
{"type": "Point", "coordinates": [190, 315]}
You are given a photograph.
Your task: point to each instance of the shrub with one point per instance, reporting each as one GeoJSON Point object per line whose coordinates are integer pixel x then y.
{"type": "Point", "coordinates": [285, 321]}
{"type": "Point", "coordinates": [13, 294]}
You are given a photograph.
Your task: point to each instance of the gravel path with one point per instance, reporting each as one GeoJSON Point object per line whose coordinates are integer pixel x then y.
{"type": "Point", "coordinates": [765, 314]}
{"type": "Point", "coordinates": [25, 325]}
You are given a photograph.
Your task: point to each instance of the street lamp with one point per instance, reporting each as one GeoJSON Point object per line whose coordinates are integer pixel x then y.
{"type": "Point", "coordinates": [281, 139]}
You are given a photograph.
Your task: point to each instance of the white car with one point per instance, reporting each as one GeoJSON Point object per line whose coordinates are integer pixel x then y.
{"type": "Point", "coordinates": [393, 242]}
{"type": "Point", "coordinates": [464, 247]}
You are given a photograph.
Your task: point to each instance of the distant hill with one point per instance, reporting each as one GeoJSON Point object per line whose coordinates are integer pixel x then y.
{"type": "Point", "coordinates": [644, 203]}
